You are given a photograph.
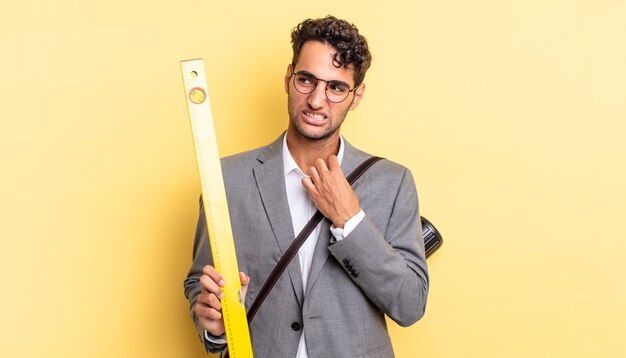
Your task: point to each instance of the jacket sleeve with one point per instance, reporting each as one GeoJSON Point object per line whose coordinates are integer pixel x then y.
{"type": "Point", "coordinates": [201, 256]}
{"type": "Point", "coordinates": [390, 266]}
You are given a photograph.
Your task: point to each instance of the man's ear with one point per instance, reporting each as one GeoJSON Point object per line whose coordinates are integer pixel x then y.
{"type": "Point", "coordinates": [287, 78]}
{"type": "Point", "coordinates": [358, 96]}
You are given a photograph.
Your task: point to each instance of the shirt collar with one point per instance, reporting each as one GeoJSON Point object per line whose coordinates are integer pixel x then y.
{"type": "Point", "coordinates": [289, 164]}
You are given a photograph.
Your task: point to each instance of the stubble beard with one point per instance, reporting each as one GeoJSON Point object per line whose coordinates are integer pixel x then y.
{"type": "Point", "coordinates": [330, 130]}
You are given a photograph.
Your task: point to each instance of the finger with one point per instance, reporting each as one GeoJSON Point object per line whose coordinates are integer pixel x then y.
{"type": "Point", "coordinates": [206, 301]}
{"type": "Point", "coordinates": [309, 186]}
{"type": "Point", "coordinates": [333, 163]}
{"type": "Point", "coordinates": [211, 286]}
{"type": "Point", "coordinates": [214, 302]}
{"type": "Point", "coordinates": [245, 279]}
{"type": "Point", "coordinates": [212, 273]}
{"type": "Point", "coordinates": [314, 174]}
{"type": "Point", "coordinates": [205, 311]}
{"type": "Point", "coordinates": [321, 166]}
{"type": "Point", "coordinates": [210, 300]}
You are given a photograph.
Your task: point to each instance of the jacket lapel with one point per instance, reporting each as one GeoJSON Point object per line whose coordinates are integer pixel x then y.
{"type": "Point", "coordinates": [352, 157]}
{"type": "Point", "coordinates": [270, 181]}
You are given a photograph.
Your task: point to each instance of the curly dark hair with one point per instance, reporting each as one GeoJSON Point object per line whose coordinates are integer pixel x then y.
{"type": "Point", "coordinates": [342, 36]}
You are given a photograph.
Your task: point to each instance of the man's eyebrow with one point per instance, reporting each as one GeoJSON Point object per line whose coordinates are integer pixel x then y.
{"type": "Point", "coordinates": [307, 73]}
{"type": "Point", "coordinates": [303, 72]}
{"type": "Point", "coordinates": [340, 82]}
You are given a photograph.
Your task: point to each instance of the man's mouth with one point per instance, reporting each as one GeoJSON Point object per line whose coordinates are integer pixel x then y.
{"type": "Point", "coordinates": [314, 118]}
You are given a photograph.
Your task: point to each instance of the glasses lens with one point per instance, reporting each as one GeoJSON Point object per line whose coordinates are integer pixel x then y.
{"type": "Point", "coordinates": [305, 83]}
{"type": "Point", "coordinates": [337, 91]}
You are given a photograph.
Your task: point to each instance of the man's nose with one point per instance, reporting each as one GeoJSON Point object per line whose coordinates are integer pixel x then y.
{"type": "Point", "coordinates": [318, 96]}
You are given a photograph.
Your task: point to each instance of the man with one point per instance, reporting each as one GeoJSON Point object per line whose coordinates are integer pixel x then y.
{"type": "Point", "coordinates": [364, 261]}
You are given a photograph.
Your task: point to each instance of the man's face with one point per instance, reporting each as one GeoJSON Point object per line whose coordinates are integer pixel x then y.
{"type": "Point", "coordinates": [312, 115]}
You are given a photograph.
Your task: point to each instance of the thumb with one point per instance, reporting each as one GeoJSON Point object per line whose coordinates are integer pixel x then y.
{"type": "Point", "coordinates": [245, 281]}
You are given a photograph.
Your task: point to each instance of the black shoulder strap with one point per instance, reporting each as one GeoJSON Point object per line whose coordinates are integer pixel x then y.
{"type": "Point", "coordinates": [297, 243]}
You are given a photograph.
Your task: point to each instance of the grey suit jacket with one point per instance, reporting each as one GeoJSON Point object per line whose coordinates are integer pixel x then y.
{"type": "Point", "coordinates": [379, 269]}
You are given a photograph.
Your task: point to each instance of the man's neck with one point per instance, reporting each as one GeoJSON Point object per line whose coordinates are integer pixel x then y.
{"type": "Point", "coordinates": [306, 151]}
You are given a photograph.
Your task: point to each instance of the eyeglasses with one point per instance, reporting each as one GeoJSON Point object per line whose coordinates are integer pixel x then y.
{"type": "Point", "coordinates": [336, 91]}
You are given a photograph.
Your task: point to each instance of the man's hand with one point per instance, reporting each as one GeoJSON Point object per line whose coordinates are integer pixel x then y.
{"type": "Point", "coordinates": [331, 192]}
{"type": "Point", "coordinates": [208, 307]}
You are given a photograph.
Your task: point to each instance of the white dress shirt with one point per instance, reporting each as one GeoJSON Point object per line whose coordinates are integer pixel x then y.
{"type": "Point", "coordinates": [302, 209]}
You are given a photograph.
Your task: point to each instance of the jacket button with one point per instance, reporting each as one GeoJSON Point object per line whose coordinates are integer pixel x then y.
{"type": "Point", "coordinates": [296, 326]}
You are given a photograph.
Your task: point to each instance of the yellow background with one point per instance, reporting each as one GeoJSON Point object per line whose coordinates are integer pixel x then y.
{"type": "Point", "coordinates": [511, 115]}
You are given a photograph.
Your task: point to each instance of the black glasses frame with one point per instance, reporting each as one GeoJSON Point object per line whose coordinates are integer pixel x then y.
{"type": "Point", "coordinates": [293, 74]}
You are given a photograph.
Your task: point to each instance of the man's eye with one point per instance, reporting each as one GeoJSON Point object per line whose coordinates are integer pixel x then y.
{"type": "Point", "coordinates": [338, 87]}
{"type": "Point", "coordinates": [304, 80]}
